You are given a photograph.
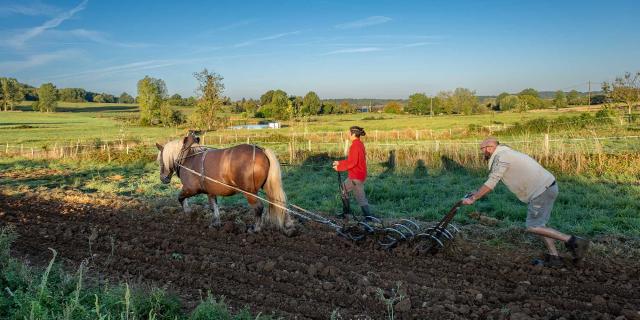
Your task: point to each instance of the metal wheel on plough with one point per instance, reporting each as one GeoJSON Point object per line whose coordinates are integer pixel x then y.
{"type": "Point", "coordinates": [425, 240]}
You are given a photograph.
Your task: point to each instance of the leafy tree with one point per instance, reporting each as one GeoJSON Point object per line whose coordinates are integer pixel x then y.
{"type": "Point", "coordinates": [266, 97]}
{"type": "Point", "coordinates": [445, 102]}
{"type": "Point", "coordinates": [499, 99]}
{"type": "Point", "coordinates": [72, 95]}
{"type": "Point", "coordinates": [573, 97]}
{"type": "Point", "coordinates": [529, 92]}
{"type": "Point", "coordinates": [250, 106]}
{"type": "Point", "coordinates": [47, 98]}
{"type": "Point", "coordinates": [419, 103]}
{"type": "Point", "coordinates": [464, 100]}
{"type": "Point", "coordinates": [104, 98]}
{"type": "Point", "coordinates": [126, 98]}
{"type": "Point", "coordinates": [346, 107]}
{"type": "Point", "coordinates": [280, 107]}
{"type": "Point", "coordinates": [296, 104]}
{"type": "Point", "coordinates": [175, 100]}
{"type": "Point", "coordinates": [170, 117]}
{"type": "Point", "coordinates": [191, 101]}
{"type": "Point", "coordinates": [509, 102]}
{"type": "Point", "coordinates": [151, 93]}
{"type": "Point", "coordinates": [329, 107]}
{"type": "Point", "coordinates": [10, 93]}
{"type": "Point", "coordinates": [311, 103]}
{"type": "Point", "coordinates": [210, 100]}
{"type": "Point", "coordinates": [560, 100]}
{"type": "Point", "coordinates": [530, 102]}
{"type": "Point", "coordinates": [392, 107]}
{"type": "Point", "coordinates": [626, 89]}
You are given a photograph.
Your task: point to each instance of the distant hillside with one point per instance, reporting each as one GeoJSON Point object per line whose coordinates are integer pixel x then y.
{"type": "Point", "coordinates": [364, 102]}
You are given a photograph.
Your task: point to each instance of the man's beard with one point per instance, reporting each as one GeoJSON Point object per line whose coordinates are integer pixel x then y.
{"type": "Point", "coordinates": [487, 156]}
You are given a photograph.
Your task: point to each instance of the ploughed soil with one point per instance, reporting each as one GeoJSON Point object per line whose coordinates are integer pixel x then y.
{"type": "Point", "coordinates": [315, 273]}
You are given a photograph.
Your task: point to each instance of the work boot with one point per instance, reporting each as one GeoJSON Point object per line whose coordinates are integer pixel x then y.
{"type": "Point", "coordinates": [549, 261]}
{"type": "Point", "coordinates": [346, 209]}
{"type": "Point", "coordinates": [578, 247]}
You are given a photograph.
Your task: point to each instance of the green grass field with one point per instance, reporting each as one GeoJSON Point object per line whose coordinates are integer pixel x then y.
{"type": "Point", "coordinates": [90, 121]}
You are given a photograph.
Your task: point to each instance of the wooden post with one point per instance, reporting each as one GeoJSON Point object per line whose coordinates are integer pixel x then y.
{"type": "Point", "coordinates": [376, 136]}
{"type": "Point", "coordinates": [346, 147]}
{"type": "Point", "coordinates": [109, 152]}
{"type": "Point", "coordinates": [417, 135]}
{"type": "Point", "coordinates": [77, 147]}
{"type": "Point", "coordinates": [203, 136]}
{"type": "Point", "coordinates": [546, 145]}
{"type": "Point", "coordinates": [309, 141]}
{"type": "Point", "coordinates": [247, 139]}
{"type": "Point", "coordinates": [220, 140]}
{"type": "Point", "coordinates": [127, 148]}
{"type": "Point", "coordinates": [32, 153]}
{"type": "Point", "coordinates": [6, 150]}
{"type": "Point", "coordinates": [290, 152]}
{"type": "Point", "coordinates": [437, 145]}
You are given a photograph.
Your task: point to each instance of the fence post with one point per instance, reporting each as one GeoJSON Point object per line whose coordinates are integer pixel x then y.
{"type": "Point", "coordinates": [437, 145]}
{"type": "Point", "coordinates": [376, 136]}
{"type": "Point", "coordinates": [346, 147]}
{"type": "Point", "coordinates": [6, 150]}
{"type": "Point", "coordinates": [127, 148]}
{"type": "Point", "coordinates": [109, 152]}
{"type": "Point", "coordinates": [546, 145]}
{"type": "Point", "coordinates": [32, 153]}
{"type": "Point", "coordinates": [309, 145]}
{"type": "Point", "coordinates": [290, 152]}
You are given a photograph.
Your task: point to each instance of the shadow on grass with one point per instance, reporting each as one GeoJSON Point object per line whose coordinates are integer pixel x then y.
{"type": "Point", "coordinates": [99, 109]}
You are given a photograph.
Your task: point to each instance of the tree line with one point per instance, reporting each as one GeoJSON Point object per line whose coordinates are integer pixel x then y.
{"type": "Point", "coordinates": [211, 106]}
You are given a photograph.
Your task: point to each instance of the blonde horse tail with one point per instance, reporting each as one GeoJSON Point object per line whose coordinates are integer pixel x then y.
{"type": "Point", "coordinates": [275, 193]}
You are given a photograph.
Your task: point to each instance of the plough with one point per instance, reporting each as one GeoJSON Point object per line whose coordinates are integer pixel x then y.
{"type": "Point", "coordinates": [425, 240]}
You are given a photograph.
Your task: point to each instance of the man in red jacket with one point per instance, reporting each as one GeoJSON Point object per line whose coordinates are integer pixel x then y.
{"type": "Point", "coordinates": [356, 165]}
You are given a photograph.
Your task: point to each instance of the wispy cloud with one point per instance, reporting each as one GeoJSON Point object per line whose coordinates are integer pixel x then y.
{"type": "Point", "coordinates": [123, 68]}
{"type": "Point", "coordinates": [366, 22]}
{"type": "Point", "coordinates": [100, 37]}
{"type": "Point", "coordinates": [38, 60]}
{"type": "Point", "coordinates": [354, 50]}
{"type": "Point", "coordinates": [416, 44]}
{"type": "Point", "coordinates": [234, 25]}
{"type": "Point", "coordinates": [267, 38]}
{"type": "Point", "coordinates": [20, 39]}
{"type": "Point", "coordinates": [31, 9]}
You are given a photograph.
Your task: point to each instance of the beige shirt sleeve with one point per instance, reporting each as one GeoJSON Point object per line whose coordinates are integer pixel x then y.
{"type": "Point", "coordinates": [498, 168]}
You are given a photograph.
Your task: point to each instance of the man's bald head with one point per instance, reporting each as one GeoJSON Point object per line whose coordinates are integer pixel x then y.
{"type": "Point", "coordinates": [489, 142]}
{"type": "Point", "coordinates": [488, 147]}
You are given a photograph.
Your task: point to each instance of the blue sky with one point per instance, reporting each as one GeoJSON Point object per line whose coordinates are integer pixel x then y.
{"type": "Point", "coordinates": [373, 49]}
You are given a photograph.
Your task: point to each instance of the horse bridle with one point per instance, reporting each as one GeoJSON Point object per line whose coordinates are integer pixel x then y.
{"type": "Point", "coordinates": [181, 158]}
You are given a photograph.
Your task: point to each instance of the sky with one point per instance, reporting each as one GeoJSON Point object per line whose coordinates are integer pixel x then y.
{"type": "Point", "coordinates": [339, 49]}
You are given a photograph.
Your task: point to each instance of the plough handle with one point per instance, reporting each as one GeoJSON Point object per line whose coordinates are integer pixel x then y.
{"type": "Point", "coordinates": [452, 212]}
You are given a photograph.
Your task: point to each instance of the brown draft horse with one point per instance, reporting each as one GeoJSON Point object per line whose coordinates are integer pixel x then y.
{"type": "Point", "coordinates": [245, 167]}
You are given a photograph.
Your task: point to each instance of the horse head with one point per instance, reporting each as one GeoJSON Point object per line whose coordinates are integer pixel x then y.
{"type": "Point", "coordinates": [165, 159]}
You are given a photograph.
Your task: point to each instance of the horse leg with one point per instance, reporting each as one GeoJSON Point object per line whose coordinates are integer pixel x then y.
{"type": "Point", "coordinates": [258, 208]}
{"type": "Point", "coordinates": [213, 202]}
{"type": "Point", "coordinates": [182, 198]}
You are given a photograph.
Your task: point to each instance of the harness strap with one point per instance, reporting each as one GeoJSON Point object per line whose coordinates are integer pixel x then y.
{"type": "Point", "coordinates": [202, 175]}
{"type": "Point", "coordinates": [253, 169]}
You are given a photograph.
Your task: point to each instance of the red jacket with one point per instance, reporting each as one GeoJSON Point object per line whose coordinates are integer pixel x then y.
{"type": "Point", "coordinates": [356, 162]}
